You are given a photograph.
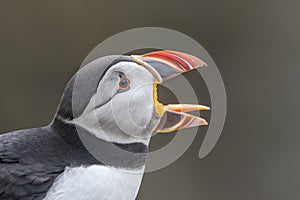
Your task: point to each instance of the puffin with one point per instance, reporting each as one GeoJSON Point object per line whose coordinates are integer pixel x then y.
{"type": "Point", "coordinates": [96, 145]}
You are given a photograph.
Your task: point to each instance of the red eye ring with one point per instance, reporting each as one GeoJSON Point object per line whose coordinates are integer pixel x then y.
{"type": "Point", "coordinates": [124, 83]}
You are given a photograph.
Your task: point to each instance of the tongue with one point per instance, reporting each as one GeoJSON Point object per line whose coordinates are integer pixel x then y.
{"type": "Point", "coordinates": [185, 107]}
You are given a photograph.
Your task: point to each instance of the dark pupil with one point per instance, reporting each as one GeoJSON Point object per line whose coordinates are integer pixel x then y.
{"type": "Point", "coordinates": [123, 83]}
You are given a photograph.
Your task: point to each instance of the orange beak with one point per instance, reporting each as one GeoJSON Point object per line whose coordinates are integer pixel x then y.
{"type": "Point", "coordinates": [165, 65]}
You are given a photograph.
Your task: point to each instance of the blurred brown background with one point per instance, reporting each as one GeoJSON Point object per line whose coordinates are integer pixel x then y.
{"type": "Point", "coordinates": [255, 44]}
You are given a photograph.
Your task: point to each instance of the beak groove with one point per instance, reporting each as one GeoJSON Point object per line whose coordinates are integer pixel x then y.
{"type": "Point", "coordinates": [181, 61]}
{"type": "Point", "coordinates": [168, 64]}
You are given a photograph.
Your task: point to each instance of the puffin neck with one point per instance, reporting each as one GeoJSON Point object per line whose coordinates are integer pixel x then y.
{"type": "Point", "coordinates": [130, 156]}
{"type": "Point", "coordinates": [68, 132]}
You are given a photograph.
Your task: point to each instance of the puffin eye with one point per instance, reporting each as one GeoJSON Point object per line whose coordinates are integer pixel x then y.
{"type": "Point", "coordinates": [124, 83]}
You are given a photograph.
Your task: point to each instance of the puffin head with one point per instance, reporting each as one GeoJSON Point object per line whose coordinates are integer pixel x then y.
{"type": "Point", "coordinates": [115, 98]}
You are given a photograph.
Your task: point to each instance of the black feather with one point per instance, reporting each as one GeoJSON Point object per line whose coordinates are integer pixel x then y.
{"type": "Point", "coordinates": [30, 160]}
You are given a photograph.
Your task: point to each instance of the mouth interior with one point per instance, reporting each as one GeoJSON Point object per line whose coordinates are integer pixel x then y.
{"type": "Point", "coordinates": [158, 107]}
{"type": "Point", "coordinates": [180, 108]}
{"type": "Point", "coordinates": [175, 116]}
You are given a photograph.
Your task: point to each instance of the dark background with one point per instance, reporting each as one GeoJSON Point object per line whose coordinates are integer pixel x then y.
{"type": "Point", "coordinates": [254, 43]}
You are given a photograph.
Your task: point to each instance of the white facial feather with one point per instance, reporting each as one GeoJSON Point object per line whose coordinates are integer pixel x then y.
{"type": "Point", "coordinates": [122, 117]}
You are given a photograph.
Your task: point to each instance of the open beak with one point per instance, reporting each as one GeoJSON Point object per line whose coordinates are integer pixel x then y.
{"type": "Point", "coordinates": [165, 65]}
